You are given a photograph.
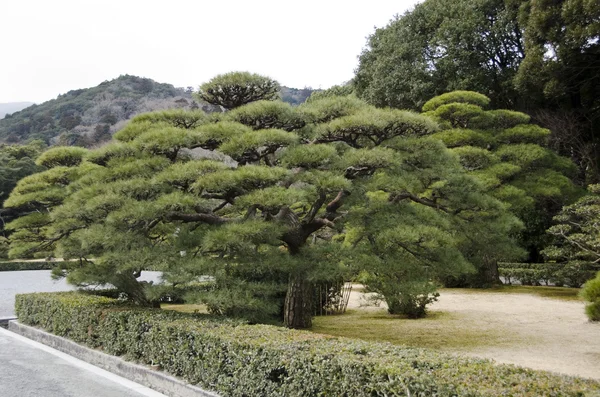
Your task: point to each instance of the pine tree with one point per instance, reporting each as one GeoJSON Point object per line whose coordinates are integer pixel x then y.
{"type": "Point", "coordinates": [267, 200]}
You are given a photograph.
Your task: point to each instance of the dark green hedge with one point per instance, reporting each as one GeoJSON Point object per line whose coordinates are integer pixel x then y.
{"type": "Point", "coordinates": [572, 274]}
{"type": "Point", "coordinates": [14, 266]}
{"type": "Point", "coordinates": [237, 359]}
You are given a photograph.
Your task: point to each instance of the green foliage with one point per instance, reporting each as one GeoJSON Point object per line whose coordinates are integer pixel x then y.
{"type": "Point", "coordinates": [572, 275]}
{"type": "Point", "coordinates": [508, 157]}
{"type": "Point", "coordinates": [333, 91]}
{"type": "Point", "coordinates": [178, 118]}
{"type": "Point", "coordinates": [463, 137]}
{"type": "Point", "coordinates": [16, 162]}
{"type": "Point", "coordinates": [576, 234]}
{"type": "Point", "coordinates": [591, 293]}
{"type": "Point", "coordinates": [442, 46]}
{"type": "Point", "coordinates": [470, 97]}
{"type": "Point", "coordinates": [326, 108]}
{"type": "Point", "coordinates": [268, 114]}
{"type": "Point", "coordinates": [61, 156]}
{"type": "Point", "coordinates": [235, 89]}
{"type": "Point", "coordinates": [235, 359]}
{"type": "Point", "coordinates": [18, 266]}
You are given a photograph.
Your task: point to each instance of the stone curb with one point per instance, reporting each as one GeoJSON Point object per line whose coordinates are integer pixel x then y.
{"type": "Point", "coordinates": [5, 320]}
{"type": "Point", "coordinates": [156, 380]}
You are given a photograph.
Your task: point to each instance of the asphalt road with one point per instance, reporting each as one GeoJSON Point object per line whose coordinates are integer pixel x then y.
{"type": "Point", "coordinates": [29, 369]}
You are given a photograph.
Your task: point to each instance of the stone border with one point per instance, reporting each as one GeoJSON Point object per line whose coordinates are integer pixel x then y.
{"type": "Point", "coordinates": [156, 380]}
{"type": "Point", "coordinates": [5, 320]}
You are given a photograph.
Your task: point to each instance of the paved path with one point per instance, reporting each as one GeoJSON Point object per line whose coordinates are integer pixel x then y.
{"type": "Point", "coordinates": [30, 369]}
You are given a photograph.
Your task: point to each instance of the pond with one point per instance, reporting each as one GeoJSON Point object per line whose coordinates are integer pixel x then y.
{"type": "Point", "coordinates": [22, 282]}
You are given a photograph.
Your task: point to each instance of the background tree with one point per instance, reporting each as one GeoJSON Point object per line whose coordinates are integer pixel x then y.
{"type": "Point", "coordinates": [235, 89]}
{"type": "Point", "coordinates": [577, 236]}
{"type": "Point", "coordinates": [441, 46]}
{"type": "Point", "coordinates": [506, 153]}
{"type": "Point", "coordinates": [16, 162]}
{"type": "Point", "coordinates": [560, 74]}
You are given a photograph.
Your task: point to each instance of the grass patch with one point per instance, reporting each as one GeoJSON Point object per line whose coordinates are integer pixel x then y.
{"type": "Point", "coordinates": [561, 293]}
{"type": "Point", "coordinates": [439, 330]}
{"type": "Point", "coordinates": [184, 308]}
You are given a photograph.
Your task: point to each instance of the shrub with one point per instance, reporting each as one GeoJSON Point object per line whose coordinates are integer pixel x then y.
{"type": "Point", "coordinates": [16, 266]}
{"type": "Point", "coordinates": [572, 274]}
{"type": "Point", "coordinates": [237, 359]}
{"type": "Point", "coordinates": [591, 293]}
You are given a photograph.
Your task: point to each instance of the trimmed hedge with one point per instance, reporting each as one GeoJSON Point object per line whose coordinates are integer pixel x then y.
{"type": "Point", "coordinates": [559, 274]}
{"type": "Point", "coordinates": [15, 266]}
{"type": "Point", "coordinates": [236, 359]}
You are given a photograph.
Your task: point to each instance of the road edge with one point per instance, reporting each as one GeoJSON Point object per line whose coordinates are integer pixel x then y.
{"type": "Point", "coordinates": [147, 377]}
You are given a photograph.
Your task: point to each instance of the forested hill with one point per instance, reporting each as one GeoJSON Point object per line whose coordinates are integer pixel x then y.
{"type": "Point", "coordinates": [11, 107]}
{"type": "Point", "coordinates": [86, 117]}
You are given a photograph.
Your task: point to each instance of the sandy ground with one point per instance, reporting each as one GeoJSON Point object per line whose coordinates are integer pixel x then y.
{"type": "Point", "coordinates": [526, 330]}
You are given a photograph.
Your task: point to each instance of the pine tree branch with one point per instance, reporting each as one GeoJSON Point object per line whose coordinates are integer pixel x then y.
{"type": "Point", "coordinates": [210, 219]}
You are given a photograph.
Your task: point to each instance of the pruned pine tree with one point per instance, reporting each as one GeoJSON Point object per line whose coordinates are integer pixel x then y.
{"type": "Point", "coordinates": [576, 234]}
{"type": "Point", "coordinates": [507, 155]}
{"type": "Point", "coordinates": [235, 89]}
{"type": "Point", "coordinates": [299, 195]}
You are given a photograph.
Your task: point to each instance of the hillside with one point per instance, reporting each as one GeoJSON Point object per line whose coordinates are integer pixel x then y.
{"type": "Point", "coordinates": [11, 107]}
{"type": "Point", "coordinates": [86, 117]}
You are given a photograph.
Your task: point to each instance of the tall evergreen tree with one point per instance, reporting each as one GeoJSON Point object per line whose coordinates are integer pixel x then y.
{"type": "Point", "coordinates": [506, 153]}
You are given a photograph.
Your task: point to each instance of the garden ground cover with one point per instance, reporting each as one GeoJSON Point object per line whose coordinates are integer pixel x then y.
{"type": "Point", "coordinates": [516, 325]}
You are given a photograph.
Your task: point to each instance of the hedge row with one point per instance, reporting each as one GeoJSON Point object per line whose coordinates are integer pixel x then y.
{"type": "Point", "coordinates": [14, 266]}
{"type": "Point", "coordinates": [559, 274]}
{"type": "Point", "coordinates": [236, 359]}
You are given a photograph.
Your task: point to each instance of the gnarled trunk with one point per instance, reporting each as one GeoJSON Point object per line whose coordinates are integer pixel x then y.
{"type": "Point", "coordinates": [298, 303]}
{"type": "Point", "coordinates": [488, 275]}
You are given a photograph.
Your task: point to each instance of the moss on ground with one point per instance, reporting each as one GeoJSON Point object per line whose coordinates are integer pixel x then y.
{"type": "Point", "coordinates": [439, 330]}
{"type": "Point", "coordinates": [562, 293]}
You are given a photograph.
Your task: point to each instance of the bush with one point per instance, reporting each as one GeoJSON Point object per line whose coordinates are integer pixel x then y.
{"type": "Point", "coordinates": [237, 359]}
{"type": "Point", "coordinates": [15, 266]}
{"type": "Point", "coordinates": [572, 274]}
{"type": "Point", "coordinates": [591, 293]}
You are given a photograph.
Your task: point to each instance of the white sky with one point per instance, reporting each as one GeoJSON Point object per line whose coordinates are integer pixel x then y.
{"type": "Point", "coordinates": [49, 47]}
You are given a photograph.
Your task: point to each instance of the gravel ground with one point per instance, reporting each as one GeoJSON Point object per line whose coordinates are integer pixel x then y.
{"type": "Point", "coordinates": [534, 332]}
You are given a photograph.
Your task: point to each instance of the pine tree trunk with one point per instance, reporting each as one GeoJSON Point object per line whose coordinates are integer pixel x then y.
{"type": "Point", "coordinates": [298, 303]}
{"type": "Point", "coordinates": [488, 274]}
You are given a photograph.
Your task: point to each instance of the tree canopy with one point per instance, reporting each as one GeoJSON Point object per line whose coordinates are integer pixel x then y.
{"type": "Point", "coordinates": [235, 89]}
{"type": "Point", "coordinates": [507, 154]}
{"type": "Point", "coordinates": [16, 162]}
{"type": "Point", "coordinates": [442, 46]}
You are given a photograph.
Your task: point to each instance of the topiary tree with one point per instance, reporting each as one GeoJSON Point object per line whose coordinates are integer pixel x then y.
{"type": "Point", "coordinates": [349, 188]}
{"type": "Point", "coordinates": [507, 155]}
{"type": "Point", "coordinates": [232, 90]}
{"type": "Point", "coordinates": [577, 237]}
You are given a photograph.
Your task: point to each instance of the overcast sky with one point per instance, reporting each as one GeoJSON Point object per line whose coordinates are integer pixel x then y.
{"type": "Point", "coordinates": [51, 47]}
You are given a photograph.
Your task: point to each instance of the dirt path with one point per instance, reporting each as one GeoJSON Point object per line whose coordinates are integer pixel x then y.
{"type": "Point", "coordinates": [521, 329]}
